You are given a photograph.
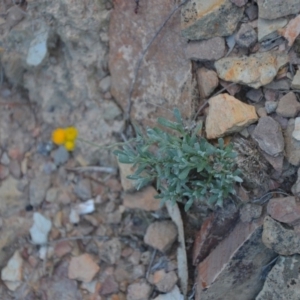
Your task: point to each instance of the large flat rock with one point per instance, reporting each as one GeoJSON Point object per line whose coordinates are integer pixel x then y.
{"type": "Point", "coordinates": [164, 78]}
{"type": "Point", "coordinates": [233, 269]}
{"type": "Point", "coordinates": [202, 19]}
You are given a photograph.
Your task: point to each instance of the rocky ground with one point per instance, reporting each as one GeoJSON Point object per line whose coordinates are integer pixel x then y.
{"type": "Point", "coordinates": [72, 226]}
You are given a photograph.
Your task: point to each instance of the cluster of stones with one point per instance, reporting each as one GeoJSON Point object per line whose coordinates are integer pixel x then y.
{"type": "Point", "coordinates": [253, 55]}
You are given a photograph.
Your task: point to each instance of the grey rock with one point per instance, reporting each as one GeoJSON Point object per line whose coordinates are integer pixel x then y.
{"type": "Point", "coordinates": [250, 212]}
{"type": "Point", "coordinates": [296, 186]}
{"type": "Point", "coordinates": [275, 162]}
{"type": "Point", "coordinates": [207, 82]}
{"type": "Point", "coordinates": [233, 269]}
{"type": "Point", "coordinates": [40, 229]}
{"type": "Point", "coordinates": [105, 84]}
{"type": "Point", "coordinates": [288, 106]}
{"type": "Point", "coordinates": [83, 189]}
{"type": "Point", "coordinates": [281, 240]}
{"type": "Point", "coordinates": [267, 29]}
{"type": "Point", "coordinates": [138, 291]}
{"type": "Point", "coordinates": [270, 106]}
{"type": "Point", "coordinates": [269, 136]}
{"type": "Point", "coordinates": [161, 235]}
{"type": "Point", "coordinates": [239, 3]}
{"type": "Point", "coordinates": [61, 156]}
{"type": "Point", "coordinates": [38, 188]}
{"type": "Point", "coordinates": [292, 146]}
{"type": "Point", "coordinates": [246, 36]}
{"type": "Point", "coordinates": [202, 19]}
{"type": "Point", "coordinates": [296, 81]}
{"type": "Point", "coordinates": [296, 131]}
{"type": "Point", "coordinates": [252, 12]}
{"type": "Point", "coordinates": [51, 195]}
{"type": "Point", "coordinates": [273, 9]}
{"type": "Point", "coordinates": [110, 251]}
{"type": "Point", "coordinates": [282, 84]}
{"type": "Point", "coordinates": [255, 95]}
{"type": "Point", "coordinates": [15, 169]}
{"type": "Point", "coordinates": [211, 49]}
{"type": "Point", "coordinates": [283, 281]}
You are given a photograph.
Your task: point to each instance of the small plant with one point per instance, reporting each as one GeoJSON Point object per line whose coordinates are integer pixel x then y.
{"type": "Point", "coordinates": [186, 166]}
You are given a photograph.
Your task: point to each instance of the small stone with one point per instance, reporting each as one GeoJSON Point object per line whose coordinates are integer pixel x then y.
{"type": "Point", "coordinates": [173, 295]}
{"type": "Point", "coordinates": [273, 9]}
{"type": "Point", "coordinates": [143, 199]}
{"type": "Point", "coordinates": [5, 160]}
{"type": "Point", "coordinates": [83, 189]}
{"type": "Point", "coordinates": [292, 146]}
{"type": "Point", "coordinates": [202, 19]}
{"type": "Point", "coordinates": [51, 195]}
{"type": "Point", "coordinates": [40, 229]}
{"type": "Point", "coordinates": [126, 170]}
{"type": "Point", "coordinates": [110, 251]}
{"type": "Point", "coordinates": [61, 156]}
{"type": "Point", "coordinates": [38, 49]}
{"type": "Point", "coordinates": [255, 95]}
{"type": "Point", "coordinates": [62, 248]}
{"type": "Point", "coordinates": [38, 188]}
{"type": "Point", "coordinates": [239, 3]}
{"type": "Point", "coordinates": [276, 162]}
{"type": "Point", "coordinates": [285, 210]}
{"type": "Point", "coordinates": [105, 84]}
{"type": "Point", "coordinates": [163, 281]}
{"type": "Point", "coordinates": [231, 89]}
{"type": "Point", "coordinates": [138, 272]}
{"type": "Point", "coordinates": [270, 106]}
{"type": "Point", "coordinates": [283, 280]}
{"type": "Point", "coordinates": [296, 132]}
{"type": "Point", "coordinates": [270, 95]}
{"type": "Point", "coordinates": [207, 82]}
{"type": "Point", "coordinates": [296, 81]}
{"type": "Point", "coordinates": [288, 106]}
{"type": "Point", "coordinates": [291, 31]}
{"type": "Point", "coordinates": [246, 36]}
{"type": "Point", "coordinates": [211, 49]}
{"type": "Point", "coordinates": [15, 169]}
{"type": "Point", "coordinates": [14, 16]}
{"type": "Point", "coordinates": [109, 286]}
{"type": "Point", "coordinates": [138, 291]}
{"type": "Point", "coordinates": [252, 12]}
{"type": "Point", "coordinates": [296, 187]}
{"type": "Point", "coordinates": [4, 172]}
{"type": "Point", "coordinates": [281, 84]}
{"type": "Point", "coordinates": [110, 110]}
{"type": "Point", "coordinates": [281, 240]}
{"type": "Point", "coordinates": [227, 115]}
{"type": "Point", "coordinates": [249, 212]}
{"type": "Point", "coordinates": [261, 111]}
{"type": "Point", "coordinates": [161, 235]}
{"type": "Point", "coordinates": [255, 70]}
{"type": "Point", "coordinates": [267, 29]}
{"type": "Point", "coordinates": [13, 272]}
{"type": "Point", "coordinates": [83, 268]}
{"type": "Point", "coordinates": [269, 136]}
{"type": "Point", "coordinates": [74, 216]}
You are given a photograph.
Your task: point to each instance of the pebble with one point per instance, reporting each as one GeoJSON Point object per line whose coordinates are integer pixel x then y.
{"type": "Point", "coordinates": [161, 235]}
{"type": "Point", "coordinates": [105, 84]}
{"type": "Point", "coordinates": [83, 189]}
{"type": "Point", "coordinates": [138, 291]}
{"type": "Point", "coordinates": [15, 169]}
{"type": "Point", "coordinates": [173, 295]}
{"type": "Point", "coordinates": [291, 31]}
{"type": "Point", "coordinates": [211, 49]}
{"type": "Point", "coordinates": [269, 136]}
{"type": "Point", "coordinates": [288, 106]}
{"type": "Point", "coordinates": [61, 156]}
{"type": "Point", "coordinates": [143, 199]}
{"type": "Point", "coordinates": [270, 106]}
{"type": "Point", "coordinates": [110, 251]}
{"type": "Point", "coordinates": [273, 9]}
{"type": "Point", "coordinates": [255, 70]}
{"type": "Point", "coordinates": [4, 172]}
{"type": "Point", "coordinates": [255, 95]}
{"type": "Point", "coordinates": [83, 268]}
{"type": "Point", "coordinates": [40, 229]}
{"type": "Point", "coordinates": [239, 3]}
{"type": "Point", "coordinates": [246, 36]}
{"type": "Point", "coordinates": [38, 188]}
{"type": "Point", "coordinates": [109, 286]}
{"type": "Point", "coordinates": [249, 212]}
{"type": "Point", "coordinates": [13, 272]}
{"type": "Point", "coordinates": [5, 160]}
{"type": "Point", "coordinates": [207, 82]}
{"type": "Point", "coordinates": [252, 12]}
{"type": "Point", "coordinates": [280, 239]}
{"type": "Point", "coordinates": [163, 281]}
{"type": "Point", "coordinates": [296, 81]}
{"type": "Point", "coordinates": [226, 115]}
{"type": "Point", "coordinates": [267, 29]}
{"type": "Point", "coordinates": [125, 171]}
{"type": "Point", "coordinates": [44, 148]}
{"type": "Point", "coordinates": [51, 194]}
{"type": "Point", "coordinates": [292, 146]}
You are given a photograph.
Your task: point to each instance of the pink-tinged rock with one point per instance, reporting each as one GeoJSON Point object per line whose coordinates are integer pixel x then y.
{"type": "Point", "coordinates": [163, 281]}
{"type": "Point", "coordinates": [232, 89]}
{"type": "Point", "coordinates": [83, 268]}
{"type": "Point", "coordinates": [143, 199]}
{"type": "Point", "coordinates": [255, 71]}
{"type": "Point", "coordinates": [239, 3]}
{"type": "Point", "coordinates": [288, 106]}
{"type": "Point", "coordinates": [273, 9]}
{"type": "Point", "coordinates": [13, 272]}
{"type": "Point", "coordinates": [138, 291]}
{"type": "Point", "coordinates": [62, 248]}
{"type": "Point", "coordinates": [234, 266]}
{"type": "Point", "coordinates": [285, 210]}
{"type": "Point", "coordinates": [109, 286]}
{"type": "Point", "coordinates": [227, 115]}
{"type": "Point", "coordinates": [161, 235]}
{"type": "Point", "coordinates": [292, 146]}
{"type": "Point", "coordinates": [291, 31]}
{"type": "Point", "coordinates": [165, 77]}
{"type": "Point", "coordinates": [213, 230]}
{"type": "Point", "coordinates": [211, 49]}
{"type": "Point", "coordinates": [204, 19]}
{"type": "Point", "coordinates": [207, 82]}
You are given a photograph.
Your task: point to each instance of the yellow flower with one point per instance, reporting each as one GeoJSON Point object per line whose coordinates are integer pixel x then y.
{"type": "Point", "coordinates": [58, 136]}
{"type": "Point", "coordinates": [71, 133]}
{"type": "Point", "coordinates": [70, 145]}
